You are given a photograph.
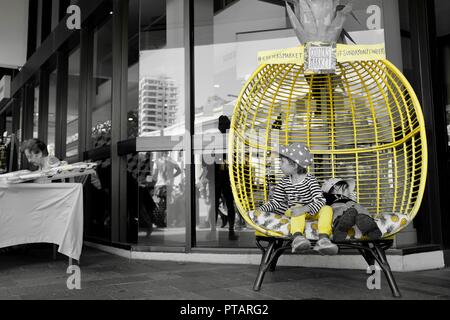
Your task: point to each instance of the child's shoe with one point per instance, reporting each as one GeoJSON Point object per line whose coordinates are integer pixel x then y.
{"type": "Point", "coordinates": [368, 227]}
{"type": "Point", "coordinates": [325, 247]}
{"type": "Point", "coordinates": [300, 243]}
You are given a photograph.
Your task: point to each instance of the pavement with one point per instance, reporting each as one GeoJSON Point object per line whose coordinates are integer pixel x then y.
{"type": "Point", "coordinates": [32, 274]}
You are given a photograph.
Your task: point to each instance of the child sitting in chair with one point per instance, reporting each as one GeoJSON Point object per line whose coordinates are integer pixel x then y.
{"type": "Point", "coordinates": [298, 196]}
{"type": "Point", "coordinates": [347, 212]}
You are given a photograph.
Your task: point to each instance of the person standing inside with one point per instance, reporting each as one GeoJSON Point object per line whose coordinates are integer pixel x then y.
{"type": "Point", "coordinates": [165, 170]}
{"type": "Point", "coordinates": [223, 185]}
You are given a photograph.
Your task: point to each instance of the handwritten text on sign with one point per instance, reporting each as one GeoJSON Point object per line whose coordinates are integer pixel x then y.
{"type": "Point", "coordinates": [320, 58]}
{"type": "Point", "coordinates": [344, 53]}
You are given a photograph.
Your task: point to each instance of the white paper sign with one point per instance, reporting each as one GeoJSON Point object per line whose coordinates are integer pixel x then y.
{"type": "Point", "coordinates": [320, 58]}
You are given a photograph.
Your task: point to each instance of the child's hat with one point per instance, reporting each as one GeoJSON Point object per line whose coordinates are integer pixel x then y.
{"type": "Point", "coordinates": [330, 183]}
{"type": "Point", "coordinates": [298, 153]}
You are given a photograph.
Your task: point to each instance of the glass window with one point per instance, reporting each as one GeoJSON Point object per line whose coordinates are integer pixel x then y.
{"type": "Point", "coordinates": [18, 128]}
{"type": "Point", "coordinates": [5, 130]}
{"type": "Point", "coordinates": [158, 179]}
{"type": "Point", "coordinates": [227, 40]}
{"type": "Point", "coordinates": [101, 108]}
{"type": "Point", "coordinates": [98, 191]}
{"type": "Point", "coordinates": [228, 36]}
{"type": "Point", "coordinates": [162, 68]}
{"type": "Point", "coordinates": [51, 125]}
{"type": "Point", "coordinates": [133, 70]}
{"type": "Point", "coordinates": [216, 213]}
{"type": "Point", "coordinates": [133, 117]}
{"type": "Point", "coordinates": [36, 112]}
{"type": "Point", "coordinates": [72, 104]}
{"type": "Point", "coordinates": [9, 124]}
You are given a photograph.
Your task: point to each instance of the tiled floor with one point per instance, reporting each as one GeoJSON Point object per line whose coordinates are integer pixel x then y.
{"type": "Point", "coordinates": [34, 275]}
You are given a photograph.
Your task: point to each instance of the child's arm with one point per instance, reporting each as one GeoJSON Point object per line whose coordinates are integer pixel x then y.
{"type": "Point", "coordinates": [318, 200]}
{"type": "Point", "coordinates": [277, 200]}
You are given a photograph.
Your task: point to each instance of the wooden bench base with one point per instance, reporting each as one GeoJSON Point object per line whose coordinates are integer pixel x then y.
{"type": "Point", "coordinates": [371, 251]}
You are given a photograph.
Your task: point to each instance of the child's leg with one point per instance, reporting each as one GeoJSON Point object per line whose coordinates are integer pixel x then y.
{"type": "Point", "coordinates": [344, 223]}
{"type": "Point", "coordinates": [368, 227]}
{"type": "Point", "coordinates": [299, 242]}
{"type": "Point", "coordinates": [298, 225]}
{"type": "Point", "coordinates": [324, 245]}
{"type": "Point", "coordinates": [325, 217]}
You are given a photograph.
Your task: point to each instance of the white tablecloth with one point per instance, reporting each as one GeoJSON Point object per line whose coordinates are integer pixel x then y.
{"type": "Point", "coordinates": [42, 213]}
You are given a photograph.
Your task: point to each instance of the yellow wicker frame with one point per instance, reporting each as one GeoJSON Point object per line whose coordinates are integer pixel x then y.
{"type": "Point", "coordinates": [364, 122]}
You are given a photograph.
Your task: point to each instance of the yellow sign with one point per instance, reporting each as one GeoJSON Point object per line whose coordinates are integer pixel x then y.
{"type": "Point", "coordinates": [348, 53]}
{"type": "Point", "coordinates": [282, 56]}
{"type": "Point", "coordinates": [344, 53]}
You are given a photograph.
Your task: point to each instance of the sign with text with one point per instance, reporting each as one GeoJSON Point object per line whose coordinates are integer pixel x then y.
{"type": "Point", "coordinates": [320, 57]}
{"type": "Point", "coordinates": [291, 55]}
{"type": "Point", "coordinates": [323, 56]}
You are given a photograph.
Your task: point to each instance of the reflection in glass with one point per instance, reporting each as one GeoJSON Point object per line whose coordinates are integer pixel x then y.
{"type": "Point", "coordinates": [217, 218]}
{"type": "Point", "coordinates": [99, 188]}
{"type": "Point", "coordinates": [51, 113]}
{"type": "Point", "coordinates": [18, 132]}
{"type": "Point", "coordinates": [158, 179]}
{"type": "Point", "coordinates": [227, 40]}
{"type": "Point", "coordinates": [101, 112]}
{"type": "Point", "coordinates": [133, 70]}
{"type": "Point", "coordinates": [97, 192]}
{"type": "Point", "coordinates": [161, 68]}
{"type": "Point", "coordinates": [72, 104]}
{"type": "Point", "coordinates": [133, 191]}
{"type": "Point", "coordinates": [36, 112]}
{"type": "Point", "coordinates": [228, 37]}
{"type": "Point", "coordinates": [9, 124]}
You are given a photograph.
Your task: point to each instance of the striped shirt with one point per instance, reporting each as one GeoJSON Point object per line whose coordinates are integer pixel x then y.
{"type": "Point", "coordinates": [288, 194]}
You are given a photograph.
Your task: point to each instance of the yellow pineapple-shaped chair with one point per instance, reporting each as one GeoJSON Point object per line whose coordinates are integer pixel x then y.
{"type": "Point", "coordinates": [363, 122]}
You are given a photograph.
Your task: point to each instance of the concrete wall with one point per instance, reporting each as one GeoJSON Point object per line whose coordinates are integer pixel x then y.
{"type": "Point", "coordinates": [392, 32]}
{"type": "Point", "coordinates": [13, 33]}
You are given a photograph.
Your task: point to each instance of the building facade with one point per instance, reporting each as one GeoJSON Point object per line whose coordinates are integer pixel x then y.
{"type": "Point", "coordinates": [158, 104]}
{"type": "Point", "coordinates": [140, 88]}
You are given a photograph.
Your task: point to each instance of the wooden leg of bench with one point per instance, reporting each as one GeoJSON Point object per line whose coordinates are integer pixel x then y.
{"type": "Point", "coordinates": [380, 256]}
{"type": "Point", "coordinates": [267, 254]}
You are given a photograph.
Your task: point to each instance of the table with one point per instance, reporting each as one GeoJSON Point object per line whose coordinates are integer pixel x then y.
{"type": "Point", "coordinates": [42, 213]}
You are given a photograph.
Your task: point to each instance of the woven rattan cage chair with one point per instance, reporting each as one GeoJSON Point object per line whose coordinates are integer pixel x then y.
{"type": "Point", "coordinates": [363, 122]}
